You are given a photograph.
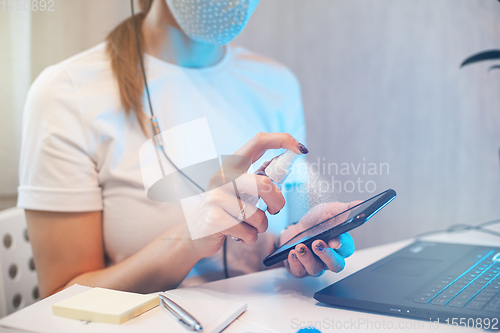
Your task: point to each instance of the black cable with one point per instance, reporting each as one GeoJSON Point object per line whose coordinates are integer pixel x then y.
{"type": "Point", "coordinates": [224, 258]}
{"type": "Point", "coordinates": [464, 227]}
{"type": "Point", "coordinates": [489, 223]}
{"type": "Point", "coordinates": [141, 62]}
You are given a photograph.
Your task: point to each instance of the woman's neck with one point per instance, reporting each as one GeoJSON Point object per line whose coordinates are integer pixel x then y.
{"type": "Point", "coordinates": [164, 39]}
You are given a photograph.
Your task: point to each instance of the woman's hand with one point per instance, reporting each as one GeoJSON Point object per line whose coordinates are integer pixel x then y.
{"type": "Point", "coordinates": [215, 216]}
{"type": "Point", "coordinates": [301, 262]}
{"type": "Point", "coordinates": [68, 247]}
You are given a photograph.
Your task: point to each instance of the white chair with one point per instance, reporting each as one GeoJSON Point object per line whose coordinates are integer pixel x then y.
{"type": "Point", "coordinates": [18, 280]}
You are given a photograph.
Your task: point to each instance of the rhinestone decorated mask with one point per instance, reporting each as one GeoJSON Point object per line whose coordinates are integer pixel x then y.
{"type": "Point", "coordinates": [212, 21]}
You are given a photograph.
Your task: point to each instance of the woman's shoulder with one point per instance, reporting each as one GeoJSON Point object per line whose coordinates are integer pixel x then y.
{"type": "Point", "coordinates": [264, 67]}
{"type": "Point", "coordinates": [94, 55]}
{"type": "Point", "coordinates": [82, 68]}
{"type": "Point", "coordinates": [75, 82]}
{"type": "Point", "coordinates": [79, 87]}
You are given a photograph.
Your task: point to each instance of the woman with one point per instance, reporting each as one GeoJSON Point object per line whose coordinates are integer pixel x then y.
{"type": "Point", "coordinates": [89, 219]}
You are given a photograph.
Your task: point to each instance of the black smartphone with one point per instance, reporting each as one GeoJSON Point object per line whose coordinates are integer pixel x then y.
{"type": "Point", "coordinates": [334, 226]}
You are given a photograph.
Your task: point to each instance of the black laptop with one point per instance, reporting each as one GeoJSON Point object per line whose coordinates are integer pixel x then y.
{"type": "Point", "coordinates": [426, 280]}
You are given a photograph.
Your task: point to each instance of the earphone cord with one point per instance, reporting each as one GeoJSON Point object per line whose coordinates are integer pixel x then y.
{"type": "Point", "coordinates": [156, 128]}
{"type": "Point", "coordinates": [481, 227]}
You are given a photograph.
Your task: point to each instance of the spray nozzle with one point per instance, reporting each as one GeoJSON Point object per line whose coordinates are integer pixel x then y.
{"type": "Point", "coordinates": [281, 166]}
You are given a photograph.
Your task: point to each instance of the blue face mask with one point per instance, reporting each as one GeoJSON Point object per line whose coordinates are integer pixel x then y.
{"type": "Point", "coordinates": [212, 21]}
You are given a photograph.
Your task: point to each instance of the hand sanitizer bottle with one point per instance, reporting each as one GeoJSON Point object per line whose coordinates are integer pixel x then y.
{"type": "Point", "coordinates": [277, 171]}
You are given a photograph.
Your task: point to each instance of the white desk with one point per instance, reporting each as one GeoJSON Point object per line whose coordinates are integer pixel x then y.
{"type": "Point", "coordinates": [280, 303]}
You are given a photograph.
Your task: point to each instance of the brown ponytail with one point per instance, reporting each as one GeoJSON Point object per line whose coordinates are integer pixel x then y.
{"type": "Point", "coordinates": [122, 50]}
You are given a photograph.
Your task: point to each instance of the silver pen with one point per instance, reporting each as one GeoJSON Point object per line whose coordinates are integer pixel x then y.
{"type": "Point", "coordinates": [181, 314]}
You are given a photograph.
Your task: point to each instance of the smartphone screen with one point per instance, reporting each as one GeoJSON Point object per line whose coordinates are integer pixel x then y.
{"type": "Point", "coordinates": [334, 226]}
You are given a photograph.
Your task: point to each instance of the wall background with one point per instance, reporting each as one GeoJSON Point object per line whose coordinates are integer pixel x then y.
{"type": "Point", "coordinates": [381, 84]}
{"type": "Point", "coordinates": [31, 41]}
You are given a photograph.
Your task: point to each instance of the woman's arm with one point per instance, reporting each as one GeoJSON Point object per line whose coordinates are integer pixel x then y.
{"type": "Point", "coordinates": [68, 249]}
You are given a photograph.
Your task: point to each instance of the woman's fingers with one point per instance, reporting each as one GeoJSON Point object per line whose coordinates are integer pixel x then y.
{"type": "Point", "coordinates": [295, 267]}
{"type": "Point", "coordinates": [266, 164]}
{"type": "Point", "coordinates": [333, 260]}
{"type": "Point", "coordinates": [243, 231]}
{"type": "Point", "coordinates": [301, 261]}
{"type": "Point", "coordinates": [263, 187]}
{"type": "Point", "coordinates": [312, 265]}
{"type": "Point", "coordinates": [258, 219]}
{"type": "Point", "coordinates": [258, 145]}
{"type": "Point", "coordinates": [343, 244]}
{"type": "Point", "coordinates": [271, 194]}
{"type": "Point", "coordinates": [325, 211]}
{"type": "Point", "coordinates": [251, 214]}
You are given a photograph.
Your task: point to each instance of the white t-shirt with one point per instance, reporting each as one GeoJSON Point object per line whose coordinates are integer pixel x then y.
{"type": "Point", "coordinates": [80, 150]}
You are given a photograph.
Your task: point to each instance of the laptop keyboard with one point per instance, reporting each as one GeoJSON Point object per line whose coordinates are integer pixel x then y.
{"type": "Point", "coordinates": [476, 288]}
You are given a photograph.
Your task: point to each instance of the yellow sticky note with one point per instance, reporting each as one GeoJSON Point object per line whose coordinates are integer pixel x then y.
{"type": "Point", "coordinates": [105, 306]}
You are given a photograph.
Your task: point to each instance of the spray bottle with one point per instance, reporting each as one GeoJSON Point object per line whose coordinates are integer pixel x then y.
{"type": "Point", "coordinates": [277, 171]}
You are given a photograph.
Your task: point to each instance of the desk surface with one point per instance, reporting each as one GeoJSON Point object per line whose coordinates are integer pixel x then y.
{"type": "Point", "coordinates": [278, 302]}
